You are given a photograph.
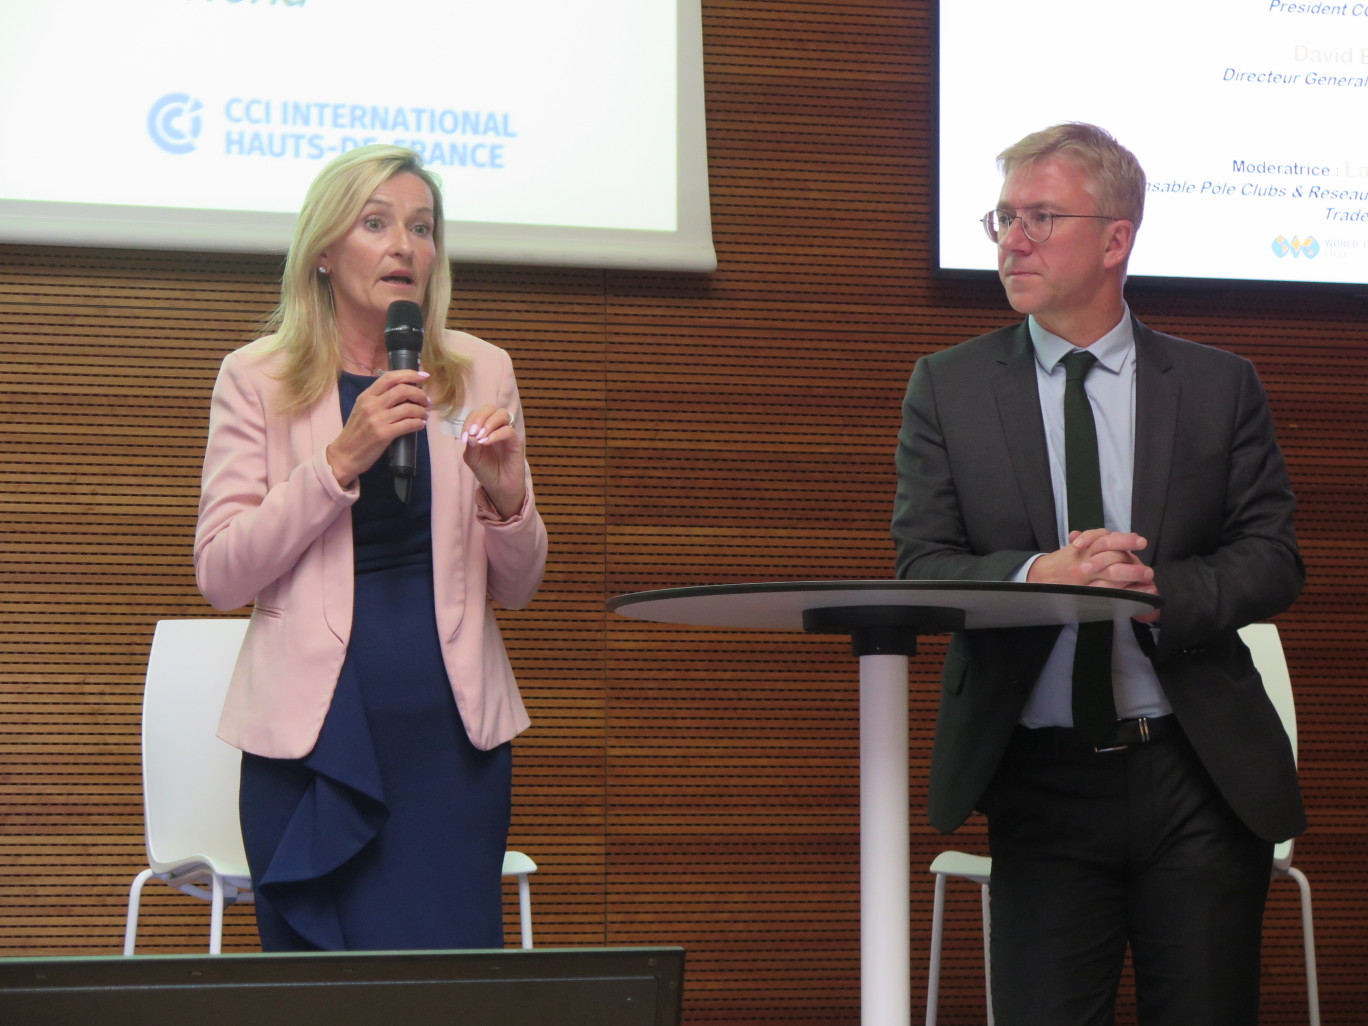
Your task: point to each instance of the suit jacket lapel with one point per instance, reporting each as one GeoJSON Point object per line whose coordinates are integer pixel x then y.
{"type": "Point", "coordinates": [1157, 394]}
{"type": "Point", "coordinates": [1018, 401]}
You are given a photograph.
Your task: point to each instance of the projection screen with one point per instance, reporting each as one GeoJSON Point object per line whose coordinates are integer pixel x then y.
{"type": "Point", "coordinates": [568, 134]}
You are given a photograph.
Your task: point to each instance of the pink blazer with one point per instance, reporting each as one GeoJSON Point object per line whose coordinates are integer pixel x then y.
{"type": "Point", "coordinates": [275, 529]}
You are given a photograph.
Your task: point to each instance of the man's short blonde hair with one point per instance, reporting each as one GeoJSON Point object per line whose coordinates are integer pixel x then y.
{"type": "Point", "coordinates": [1116, 182]}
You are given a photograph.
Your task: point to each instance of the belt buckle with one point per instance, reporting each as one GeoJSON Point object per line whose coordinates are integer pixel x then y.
{"type": "Point", "coordinates": [1143, 724]}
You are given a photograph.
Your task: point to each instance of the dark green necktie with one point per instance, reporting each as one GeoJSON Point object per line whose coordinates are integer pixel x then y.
{"type": "Point", "coordinates": [1094, 709]}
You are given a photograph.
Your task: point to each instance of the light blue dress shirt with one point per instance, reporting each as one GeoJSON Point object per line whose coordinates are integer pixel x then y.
{"type": "Point", "coordinates": [1111, 390]}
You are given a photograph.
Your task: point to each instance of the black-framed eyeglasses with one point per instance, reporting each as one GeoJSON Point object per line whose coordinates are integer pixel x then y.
{"type": "Point", "coordinates": [1035, 222]}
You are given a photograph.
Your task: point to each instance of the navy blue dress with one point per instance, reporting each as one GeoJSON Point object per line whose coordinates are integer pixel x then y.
{"type": "Point", "coordinates": [390, 834]}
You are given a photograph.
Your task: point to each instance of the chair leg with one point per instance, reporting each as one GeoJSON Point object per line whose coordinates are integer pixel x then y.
{"type": "Point", "coordinates": [134, 903]}
{"type": "Point", "coordinates": [1308, 945]}
{"type": "Point", "coordinates": [216, 915]}
{"type": "Point", "coordinates": [933, 974]}
{"type": "Point", "coordinates": [525, 909]}
{"type": "Point", "coordinates": [987, 952]}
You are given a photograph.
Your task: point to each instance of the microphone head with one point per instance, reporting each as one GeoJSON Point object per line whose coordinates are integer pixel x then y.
{"type": "Point", "coordinates": [404, 325]}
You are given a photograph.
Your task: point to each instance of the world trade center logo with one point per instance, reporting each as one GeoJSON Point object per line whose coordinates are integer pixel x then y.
{"type": "Point", "coordinates": [1298, 247]}
{"type": "Point", "coordinates": [174, 122]}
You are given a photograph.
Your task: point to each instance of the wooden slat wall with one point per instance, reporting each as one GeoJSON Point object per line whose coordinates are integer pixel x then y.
{"type": "Point", "coordinates": [679, 785]}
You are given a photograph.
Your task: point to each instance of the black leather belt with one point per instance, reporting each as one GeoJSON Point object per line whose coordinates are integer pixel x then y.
{"type": "Point", "coordinates": [1126, 734]}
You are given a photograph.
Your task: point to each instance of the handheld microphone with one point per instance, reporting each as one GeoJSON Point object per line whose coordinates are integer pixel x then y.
{"type": "Point", "coordinates": [404, 343]}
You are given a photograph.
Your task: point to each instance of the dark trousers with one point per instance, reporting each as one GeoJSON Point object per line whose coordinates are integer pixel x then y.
{"type": "Point", "coordinates": [1094, 851]}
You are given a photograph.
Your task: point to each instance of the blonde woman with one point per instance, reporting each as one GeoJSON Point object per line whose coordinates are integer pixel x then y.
{"type": "Point", "coordinates": [373, 699]}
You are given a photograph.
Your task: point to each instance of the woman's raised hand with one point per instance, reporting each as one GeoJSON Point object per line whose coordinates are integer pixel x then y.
{"type": "Point", "coordinates": [494, 452]}
{"type": "Point", "coordinates": [393, 406]}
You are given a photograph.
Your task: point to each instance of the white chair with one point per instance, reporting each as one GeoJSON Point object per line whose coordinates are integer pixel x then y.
{"type": "Point", "coordinates": [515, 863]}
{"type": "Point", "coordinates": [190, 778]}
{"type": "Point", "coordinates": [1266, 648]}
{"type": "Point", "coordinates": [966, 867]}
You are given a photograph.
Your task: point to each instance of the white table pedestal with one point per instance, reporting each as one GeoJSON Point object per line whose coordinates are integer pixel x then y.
{"type": "Point", "coordinates": [885, 901]}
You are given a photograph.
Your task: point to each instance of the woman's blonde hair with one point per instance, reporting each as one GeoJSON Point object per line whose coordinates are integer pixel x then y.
{"type": "Point", "coordinates": [305, 322]}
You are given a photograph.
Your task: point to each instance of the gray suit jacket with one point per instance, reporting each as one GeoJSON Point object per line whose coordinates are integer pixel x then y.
{"type": "Point", "coordinates": [1211, 494]}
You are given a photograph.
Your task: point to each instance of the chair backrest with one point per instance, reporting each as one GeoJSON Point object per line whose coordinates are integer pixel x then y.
{"type": "Point", "coordinates": [190, 776]}
{"type": "Point", "coordinates": [1266, 648]}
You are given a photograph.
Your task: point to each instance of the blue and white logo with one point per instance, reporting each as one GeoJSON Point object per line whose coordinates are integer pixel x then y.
{"type": "Point", "coordinates": [174, 122]}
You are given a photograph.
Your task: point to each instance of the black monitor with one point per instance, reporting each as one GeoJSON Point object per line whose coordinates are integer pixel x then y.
{"type": "Point", "coordinates": [565, 986]}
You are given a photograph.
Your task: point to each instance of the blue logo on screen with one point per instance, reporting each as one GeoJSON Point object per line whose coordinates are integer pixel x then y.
{"type": "Point", "coordinates": [1298, 247]}
{"type": "Point", "coordinates": [174, 122]}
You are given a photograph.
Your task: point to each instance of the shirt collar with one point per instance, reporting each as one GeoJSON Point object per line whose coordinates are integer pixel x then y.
{"type": "Point", "coordinates": [1111, 349]}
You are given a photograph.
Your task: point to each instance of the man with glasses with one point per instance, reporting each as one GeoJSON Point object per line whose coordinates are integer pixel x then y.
{"type": "Point", "coordinates": [1134, 774]}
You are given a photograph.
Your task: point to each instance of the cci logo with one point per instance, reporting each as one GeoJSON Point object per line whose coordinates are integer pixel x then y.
{"type": "Point", "coordinates": [174, 122]}
{"type": "Point", "coordinates": [1307, 247]}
